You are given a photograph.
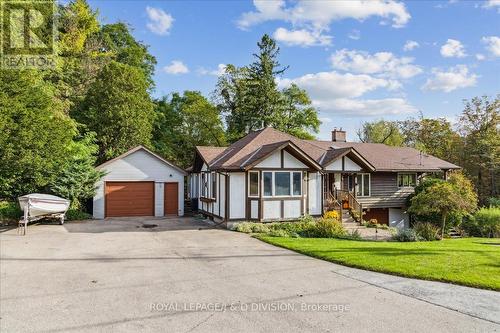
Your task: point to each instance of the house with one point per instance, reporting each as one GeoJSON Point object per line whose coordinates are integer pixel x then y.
{"type": "Point", "coordinates": [269, 175]}
{"type": "Point", "coordinates": [139, 183]}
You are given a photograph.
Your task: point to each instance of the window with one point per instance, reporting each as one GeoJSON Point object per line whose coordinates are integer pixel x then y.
{"type": "Point", "coordinates": [253, 186]}
{"type": "Point", "coordinates": [204, 185]}
{"type": "Point", "coordinates": [214, 185]}
{"type": "Point", "coordinates": [407, 179]}
{"type": "Point", "coordinates": [282, 183]}
{"type": "Point", "coordinates": [297, 183]}
{"type": "Point", "coordinates": [268, 183]}
{"type": "Point", "coordinates": [363, 185]}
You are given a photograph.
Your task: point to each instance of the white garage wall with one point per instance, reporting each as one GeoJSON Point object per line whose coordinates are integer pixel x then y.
{"type": "Point", "coordinates": [140, 166]}
{"type": "Point", "coordinates": [159, 196]}
{"type": "Point", "coordinates": [237, 195]}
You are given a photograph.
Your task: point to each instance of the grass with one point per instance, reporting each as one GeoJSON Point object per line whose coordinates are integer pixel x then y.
{"type": "Point", "coordinates": [473, 262]}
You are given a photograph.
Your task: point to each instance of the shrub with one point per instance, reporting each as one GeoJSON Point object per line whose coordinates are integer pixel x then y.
{"type": "Point", "coordinates": [75, 214]}
{"type": "Point", "coordinates": [327, 228]}
{"type": "Point", "coordinates": [293, 227]}
{"type": "Point", "coordinates": [427, 231]}
{"type": "Point", "coordinates": [10, 211]}
{"type": "Point", "coordinates": [279, 233]}
{"type": "Point", "coordinates": [494, 202]}
{"type": "Point", "coordinates": [484, 223]}
{"type": "Point", "coordinates": [252, 227]}
{"type": "Point", "coordinates": [354, 235]}
{"type": "Point", "coordinates": [306, 219]}
{"type": "Point", "coordinates": [332, 214]}
{"type": "Point", "coordinates": [406, 235]}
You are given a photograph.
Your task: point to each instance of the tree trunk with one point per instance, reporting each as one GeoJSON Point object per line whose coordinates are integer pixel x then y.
{"type": "Point", "coordinates": [442, 226]}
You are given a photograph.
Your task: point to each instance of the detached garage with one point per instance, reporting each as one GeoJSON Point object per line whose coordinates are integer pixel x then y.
{"type": "Point", "coordinates": [139, 183]}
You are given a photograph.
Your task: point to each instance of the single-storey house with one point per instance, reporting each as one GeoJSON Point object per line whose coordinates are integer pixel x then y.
{"type": "Point", "coordinates": [139, 183]}
{"type": "Point", "coordinates": [269, 175]}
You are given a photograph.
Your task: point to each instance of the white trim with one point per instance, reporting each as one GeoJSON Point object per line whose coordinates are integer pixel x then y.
{"type": "Point", "coordinates": [364, 174]}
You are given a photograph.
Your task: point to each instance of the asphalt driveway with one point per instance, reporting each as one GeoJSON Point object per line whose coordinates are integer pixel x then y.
{"type": "Point", "coordinates": [181, 276]}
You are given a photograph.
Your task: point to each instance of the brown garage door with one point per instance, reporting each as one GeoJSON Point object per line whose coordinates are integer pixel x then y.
{"type": "Point", "coordinates": [171, 198]}
{"type": "Point", "coordinates": [129, 199]}
{"type": "Point", "coordinates": [380, 214]}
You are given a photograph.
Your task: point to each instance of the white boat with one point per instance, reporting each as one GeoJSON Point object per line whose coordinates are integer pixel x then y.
{"type": "Point", "coordinates": [36, 206]}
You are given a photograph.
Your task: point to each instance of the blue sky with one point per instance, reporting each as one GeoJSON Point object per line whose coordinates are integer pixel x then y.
{"type": "Point", "coordinates": [358, 61]}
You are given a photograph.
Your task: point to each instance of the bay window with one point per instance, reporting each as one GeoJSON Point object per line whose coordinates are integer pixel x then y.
{"type": "Point", "coordinates": [282, 183]}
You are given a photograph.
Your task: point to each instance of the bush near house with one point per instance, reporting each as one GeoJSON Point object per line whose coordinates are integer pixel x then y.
{"type": "Point", "coordinates": [332, 214]}
{"type": "Point", "coordinates": [406, 235]}
{"type": "Point", "coordinates": [306, 227]}
{"type": "Point", "coordinates": [427, 231]}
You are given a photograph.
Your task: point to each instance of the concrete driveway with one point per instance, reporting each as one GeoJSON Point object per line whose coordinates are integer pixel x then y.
{"type": "Point", "coordinates": [114, 275]}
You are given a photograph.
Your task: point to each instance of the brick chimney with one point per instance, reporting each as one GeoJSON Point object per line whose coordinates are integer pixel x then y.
{"type": "Point", "coordinates": [338, 135]}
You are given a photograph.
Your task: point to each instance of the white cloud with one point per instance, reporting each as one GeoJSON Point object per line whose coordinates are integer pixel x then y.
{"type": "Point", "coordinates": [328, 85]}
{"type": "Point", "coordinates": [456, 77]}
{"type": "Point", "coordinates": [453, 48]}
{"type": "Point", "coordinates": [492, 4]}
{"type": "Point", "coordinates": [355, 34]}
{"type": "Point", "coordinates": [319, 14]}
{"type": "Point", "coordinates": [410, 45]}
{"type": "Point", "coordinates": [159, 21]}
{"type": "Point", "coordinates": [384, 63]}
{"type": "Point", "coordinates": [480, 56]}
{"type": "Point", "coordinates": [492, 45]}
{"type": "Point", "coordinates": [176, 67]}
{"type": "Point", "coordinates": [221, 69]}
{"type": "Point", "coordinates": [368, 107]}
{"type": "Point", "coordinates": [338, 93]}
{"type": "Point", "coordinates": [301, 37]}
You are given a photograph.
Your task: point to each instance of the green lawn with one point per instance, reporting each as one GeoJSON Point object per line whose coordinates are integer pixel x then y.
{"type": "Point", "coordinates": [472, 262]}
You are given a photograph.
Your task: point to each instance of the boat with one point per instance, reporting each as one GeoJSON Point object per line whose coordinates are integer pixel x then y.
{"type": "Point", "coordinates": [37, 206]}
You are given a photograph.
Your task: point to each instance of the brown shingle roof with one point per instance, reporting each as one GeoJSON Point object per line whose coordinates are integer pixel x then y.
{"type": "Point", "coordinates": [258, 144]}
{"type": "Point", "coordinates": [388, 158]}
{"type": "Point", "coordinates": [210, 153]}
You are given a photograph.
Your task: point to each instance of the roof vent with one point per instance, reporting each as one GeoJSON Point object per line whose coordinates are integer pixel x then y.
{"type": "Point", "coordinates": [338, 135]}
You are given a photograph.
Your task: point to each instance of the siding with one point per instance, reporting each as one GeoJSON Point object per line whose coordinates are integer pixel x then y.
{"type": "Point", "coordinates": [385, 192]}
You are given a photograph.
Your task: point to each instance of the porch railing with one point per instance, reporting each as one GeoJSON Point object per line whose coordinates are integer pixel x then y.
{"type": "Point", "coordinates": [349, 201]}
{"type": "Point", "coordinates": [331, 203]}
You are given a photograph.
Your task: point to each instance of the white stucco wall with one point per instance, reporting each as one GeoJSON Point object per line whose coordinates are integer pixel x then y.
{"type": "Point", "coordinates": [349, 165]}
{"type": "Point", "coordinates": [291, 209]}
{"type": "Point", "coordinates": [273, 161]}
{"type": "Point", "coordinates": [398, 218]}
{"type": "Point", "coordinates": [237, 195]}
{"type": "Point", "coordinates": [140, 166]}
{"type": "Point", "coordinates": [291, 162]}
{"type": "Point", "coordinates": [222, 196]}
{"type": "Point", "coordinates": [314, 193]}
{"type": "Point", "coordinates": [335, 165]}
{"type": "Point", "coordinates": [271, 210]}
{"type": "Point", "coordinates": [254, 209]}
